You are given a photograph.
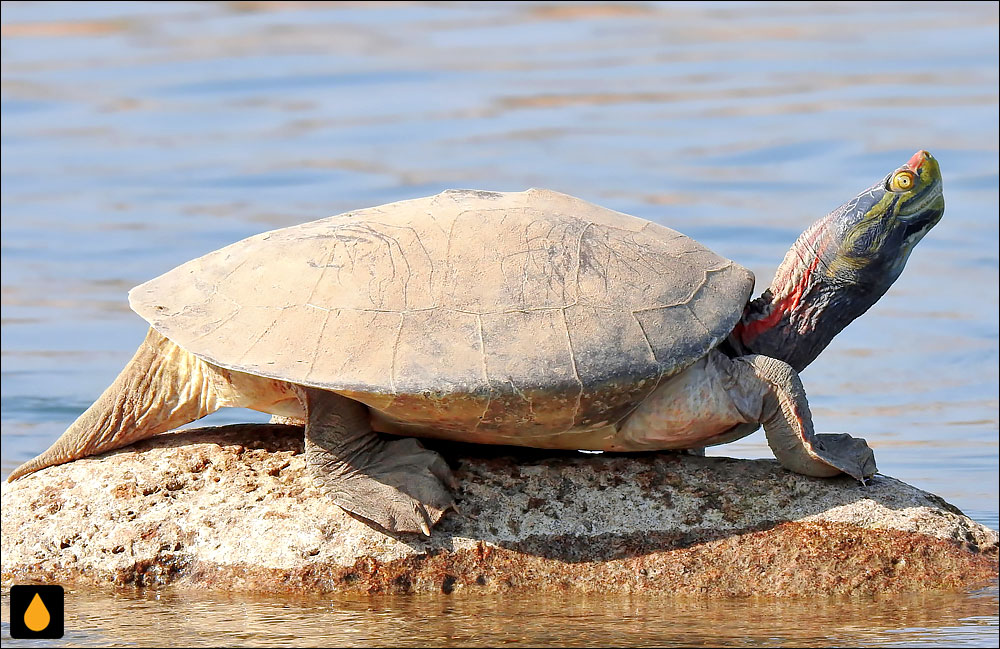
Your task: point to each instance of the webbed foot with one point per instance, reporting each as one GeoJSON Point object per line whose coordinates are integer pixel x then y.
{"type": "Point", "coordinates": [398, 485]}
{"type": "Point", "coordinates": [850, 455]}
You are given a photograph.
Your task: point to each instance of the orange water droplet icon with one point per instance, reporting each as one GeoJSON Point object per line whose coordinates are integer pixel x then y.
{"type": "Point", "coordinates": [36, 617]}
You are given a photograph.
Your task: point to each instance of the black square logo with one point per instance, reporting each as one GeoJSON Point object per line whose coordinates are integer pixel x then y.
{"type": "Point", "coordinates": [36, 612]}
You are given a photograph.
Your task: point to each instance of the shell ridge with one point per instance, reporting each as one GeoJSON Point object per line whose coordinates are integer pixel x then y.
{"type": "Point", "coordinates": [645, 336]}
{"type": "Point", "coordinates": [695, 317]}
{"type": "Point", "coordinates": [576, 372]}
{"type": "Point", "coordinates": [390, 240]}
{"type": "Point", "coordinates": [377, 282]}
{"type": "Point", "coordinates": [528, 400]}
{"type": "Point", "coordinates": [319, 340]}
{"type": "Point", "coordinates": [579, 257]}
{"type": "Point", "coordinates": [232, 272]}
{"type": "Point", "coordinates": [260, 336]}
{"type": "Point", "coordinates": [486, 374]}
{"type": "Point", "coordinates": [322, 274]}
{"type": "Point", "coordinates": [395, 352]}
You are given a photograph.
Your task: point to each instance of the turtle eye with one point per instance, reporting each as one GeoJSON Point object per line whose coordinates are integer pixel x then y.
{"type": "Point", "coordinates": [902, 181]}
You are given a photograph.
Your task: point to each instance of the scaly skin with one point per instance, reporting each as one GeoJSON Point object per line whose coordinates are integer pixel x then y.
{"type": "Point", "coordinates": [161, 388]}
{"type": "Point", "coordinates": [840, 266]}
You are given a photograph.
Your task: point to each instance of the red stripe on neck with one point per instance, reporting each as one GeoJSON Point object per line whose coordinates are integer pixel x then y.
{"type": "Point", "coordinates": [746, 332]}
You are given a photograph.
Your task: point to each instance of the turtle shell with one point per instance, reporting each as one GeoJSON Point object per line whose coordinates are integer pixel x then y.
{"type": "Point", "coordinates": [496, 314]}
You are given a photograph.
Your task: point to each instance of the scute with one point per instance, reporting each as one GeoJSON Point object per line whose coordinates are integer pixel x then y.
{"type": "Point", "coordinates": [529, 309]}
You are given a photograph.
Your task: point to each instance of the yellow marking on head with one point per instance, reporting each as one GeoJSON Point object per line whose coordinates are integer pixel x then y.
{"type": "Point", "coordinates": [868, 222]}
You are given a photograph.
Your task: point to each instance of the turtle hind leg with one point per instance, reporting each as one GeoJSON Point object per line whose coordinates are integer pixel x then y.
{"type": "Point", "coordinates": [161, 388]}
{"type": "Point", "coordinates": [398, 485]}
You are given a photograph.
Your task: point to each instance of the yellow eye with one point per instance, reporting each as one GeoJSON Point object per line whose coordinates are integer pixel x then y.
{"type": "Point", "coordinates": [902, 181]}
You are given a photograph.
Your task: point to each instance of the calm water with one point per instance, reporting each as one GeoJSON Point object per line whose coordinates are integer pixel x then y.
{"type": "Point", "coordinates": [138, 136]}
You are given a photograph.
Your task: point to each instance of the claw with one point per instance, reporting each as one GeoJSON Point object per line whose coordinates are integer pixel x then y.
{"type": "Point", "coordinates": [866, 482]}
{"type": "Point", "coordinates": [425, 519]}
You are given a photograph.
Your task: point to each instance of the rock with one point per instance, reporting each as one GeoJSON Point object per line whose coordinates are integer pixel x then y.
{"type": "Point", "coordinates": [233, 508]}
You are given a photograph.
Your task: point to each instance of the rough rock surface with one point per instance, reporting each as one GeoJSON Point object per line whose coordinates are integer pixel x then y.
{"type": "Point", "coordinates": [233, 508]}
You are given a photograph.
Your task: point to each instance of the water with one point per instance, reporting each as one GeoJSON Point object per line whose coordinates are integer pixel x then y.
{"type": "Point", "coordinates": [138, 136]}
{"type": "Point", "coordinates": [192, 619]}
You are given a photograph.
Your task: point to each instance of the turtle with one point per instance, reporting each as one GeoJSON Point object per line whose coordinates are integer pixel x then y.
{"type": "Point", "coordinates": [527, 318]}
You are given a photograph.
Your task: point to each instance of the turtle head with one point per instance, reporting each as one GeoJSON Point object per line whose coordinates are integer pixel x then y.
{"type": "Point", "coordinates": [842, 265]}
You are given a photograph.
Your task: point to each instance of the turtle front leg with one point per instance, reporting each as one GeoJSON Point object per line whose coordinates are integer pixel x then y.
{"type": "Point", "coordinates": [398, 485]}
{"type": "Point", "coordinates": [720, 399]}
{"type": "Point", "coordinates": [768, 391]}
